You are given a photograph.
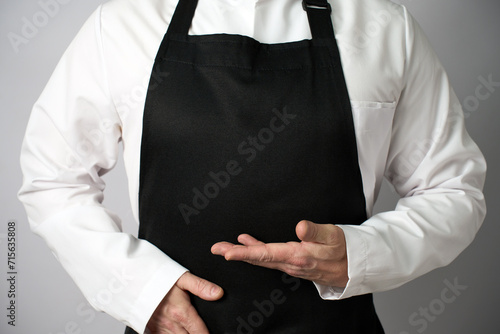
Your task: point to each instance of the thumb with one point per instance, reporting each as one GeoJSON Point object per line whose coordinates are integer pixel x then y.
{"type": "Point", "coordinates": [199, 287]}
{"type": "Point", "coordinates": [320, 233]}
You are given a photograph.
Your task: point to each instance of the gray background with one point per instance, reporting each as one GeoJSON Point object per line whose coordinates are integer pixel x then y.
{"type": "Point", "coordinates": [464, 35]}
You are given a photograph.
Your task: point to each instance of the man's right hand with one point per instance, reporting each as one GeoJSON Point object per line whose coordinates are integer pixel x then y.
{"type": "Point", "coordinates": [175, 314]}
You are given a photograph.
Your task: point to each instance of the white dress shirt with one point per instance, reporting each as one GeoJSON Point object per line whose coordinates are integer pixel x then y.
{"type": "Point", "coordinates": [408, 122]}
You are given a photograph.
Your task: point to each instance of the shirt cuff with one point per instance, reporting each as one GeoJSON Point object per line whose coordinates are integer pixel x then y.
{"type": "Point", "coordinates": [356, 267]}
{"type": "Point", "coordinates": [153, 293]}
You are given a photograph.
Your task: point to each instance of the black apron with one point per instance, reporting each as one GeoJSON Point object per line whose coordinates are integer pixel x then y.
{"type": "Point", "coordinates": [246, 137]}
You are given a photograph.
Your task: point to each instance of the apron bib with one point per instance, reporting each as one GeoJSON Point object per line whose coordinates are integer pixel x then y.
{"type": "Point", "coordinates": [246, 137]}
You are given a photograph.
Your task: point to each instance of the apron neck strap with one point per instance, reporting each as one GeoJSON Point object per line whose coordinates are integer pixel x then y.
{"type": "Point", "coordinates": [318, 13]}
{"type": "Point", "coordinates": [320, 21]}
{"type": "Point", "coordinates": [182, 18]}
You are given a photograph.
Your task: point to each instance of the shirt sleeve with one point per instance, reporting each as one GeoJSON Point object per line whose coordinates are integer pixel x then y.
{"type": "Point", "coordinates": [437, 170]}
{"type": "Point", "coordinates": [71, 141]}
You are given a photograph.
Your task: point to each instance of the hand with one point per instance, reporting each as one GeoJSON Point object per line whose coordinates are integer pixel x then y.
{"type": "Point", "coordinates": [175, 314]}
{"type": "Point", "coordinates": [321, 256]}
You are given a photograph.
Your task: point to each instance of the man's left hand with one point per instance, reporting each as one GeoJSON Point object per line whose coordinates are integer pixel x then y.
{"type": "Point", "coordinates": [321, 256]}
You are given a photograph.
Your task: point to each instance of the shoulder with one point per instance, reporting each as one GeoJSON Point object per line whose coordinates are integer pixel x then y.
{"type": "Point", "coordinates": [371, 35]}
{"type": "Point", "coordinates": [135, 18]}
{"type": "Point", "coordinates": [131, 29]}
{"type": "Point", "coordinates": [363, 21]}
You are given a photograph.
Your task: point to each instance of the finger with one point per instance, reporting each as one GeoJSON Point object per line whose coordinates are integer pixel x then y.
{"type": "Point", "coordinates": [181, 316]}
{"type": "Point", "coordinates": [173, 328]}
{"type": "Point", "coordinates": [273, 252]}
{"type": "Point", "coordinates": [248, 240]}
{"type": "Point", "coordinates": [300, 270]}
{"type": "Point", "coordinates": [220, 248]}
{"type": "Point", "coordinates": [270, 265]}
{"type": "Point", "coordinates": [200, 287]}
{"type": "Point", "coordinates": [172, 310]}
{"type": "Point", "coordinates": [195, 324]}
{"type": "Point", "coordinates": [319, 233]}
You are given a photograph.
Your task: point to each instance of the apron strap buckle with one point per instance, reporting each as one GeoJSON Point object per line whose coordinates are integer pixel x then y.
{"type": "Point", "coordinates": [316, 4]}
